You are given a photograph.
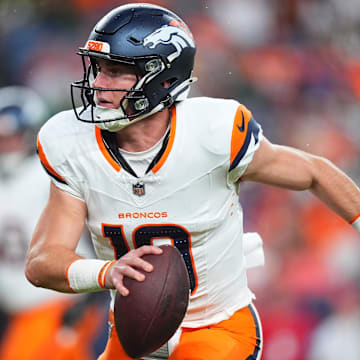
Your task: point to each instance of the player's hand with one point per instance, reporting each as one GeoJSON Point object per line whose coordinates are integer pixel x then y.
{"type": "Point", "coordinates": [127, 265]}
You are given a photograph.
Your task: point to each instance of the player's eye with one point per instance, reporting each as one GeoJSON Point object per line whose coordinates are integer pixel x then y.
{"type": "Point", "coordinates": [97, 67]}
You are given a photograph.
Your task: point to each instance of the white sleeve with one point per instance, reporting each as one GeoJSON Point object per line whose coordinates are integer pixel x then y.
{"type": "Point", "coordinates": [55, 160]}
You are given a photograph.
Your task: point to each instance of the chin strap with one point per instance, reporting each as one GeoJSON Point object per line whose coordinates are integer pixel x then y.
{"type": "Point", "coordinates": [168, 101]}
{"type": "Point", "coordinates": [180, 89]}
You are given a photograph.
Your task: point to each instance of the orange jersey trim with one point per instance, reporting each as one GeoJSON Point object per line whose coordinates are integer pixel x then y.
{"type": "Point", "coordinates": [166, 153]}
{"type": "Point", "coordinates": [239, 131]}
{"type": "Point", "coordinates": [46, 164]}
{"type": "Point", "coordinates": [104, 151]}
{"type": "Point", "coordinates": [354, 219]}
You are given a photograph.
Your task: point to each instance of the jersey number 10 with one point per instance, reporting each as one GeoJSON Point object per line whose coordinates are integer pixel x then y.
{"type": "Point", "coordinates": [145, 234]}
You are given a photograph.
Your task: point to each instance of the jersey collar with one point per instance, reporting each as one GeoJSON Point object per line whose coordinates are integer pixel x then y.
{"type": "Point", "coordinates": [109, 149]}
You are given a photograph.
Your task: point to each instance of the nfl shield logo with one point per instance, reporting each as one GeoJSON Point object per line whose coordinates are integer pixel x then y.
{"type": "Point", "coordinates": [139, 189]}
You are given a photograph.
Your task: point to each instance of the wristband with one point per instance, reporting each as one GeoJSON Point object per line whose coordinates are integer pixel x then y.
{"type": "Point", "coordinates": [103, 272]}
{"type": "Point", "coordinates": [355, 223]}
{"type": "Point", "coordinates": [87, 275]}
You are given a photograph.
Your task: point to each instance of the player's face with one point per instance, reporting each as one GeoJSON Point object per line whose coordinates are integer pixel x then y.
{"type": "Point", "coordinates": [11, 138]}
{"type": "Point", "coordinates": [111, 75]}
{"type": "Point", "coordinates": [13, 149]}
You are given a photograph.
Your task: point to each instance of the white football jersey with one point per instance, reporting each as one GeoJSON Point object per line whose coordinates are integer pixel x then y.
{"type": "Point", "coordinates": [22, 199]}
{"type": "Point", "coordinates": [188, 198]}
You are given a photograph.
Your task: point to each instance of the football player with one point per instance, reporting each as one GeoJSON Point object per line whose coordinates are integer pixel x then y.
{"type": "Point", "coordinates": [39, 319]}
{"type": "Point", "coordinates": [141, 165]}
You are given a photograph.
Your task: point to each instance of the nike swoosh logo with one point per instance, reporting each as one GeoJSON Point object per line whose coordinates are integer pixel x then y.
{"type": "Point", "coordinates": [242, 127]}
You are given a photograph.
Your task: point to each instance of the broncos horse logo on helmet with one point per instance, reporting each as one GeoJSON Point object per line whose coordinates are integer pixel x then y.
{"type": "Point", "coordinates": [168, 34]}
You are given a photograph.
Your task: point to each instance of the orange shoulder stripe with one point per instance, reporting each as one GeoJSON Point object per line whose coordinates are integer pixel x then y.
{"type": "Point", "coordinates": [46, 163]}
{"type": "Point", "coordinates": [354, 219]}
{"type": "Point", "coordinates": [166, 153]}
{"type": "Point", "coordinates": [104, 151]}
{"type": "Point", "coordinates": [239, 131]}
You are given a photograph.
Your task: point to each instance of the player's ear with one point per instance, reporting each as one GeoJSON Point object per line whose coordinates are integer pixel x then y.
{"type": "Point", "coordinates": [166, 84]}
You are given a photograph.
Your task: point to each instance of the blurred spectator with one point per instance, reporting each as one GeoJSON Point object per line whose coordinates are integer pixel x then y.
{"type": "Point", "coordinates": [337, 337]}
{"type": "Point", "coordinates": [42, 324]}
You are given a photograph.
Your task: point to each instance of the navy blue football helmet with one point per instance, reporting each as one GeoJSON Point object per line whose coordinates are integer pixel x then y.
{"type": "Point", "coordinates": [22, 112]}
{"type": "Point", "coordinates": [160, 47]}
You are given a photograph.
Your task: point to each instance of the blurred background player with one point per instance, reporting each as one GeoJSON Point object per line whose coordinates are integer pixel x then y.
{"type": "Point", "coordinates": [38, 323]}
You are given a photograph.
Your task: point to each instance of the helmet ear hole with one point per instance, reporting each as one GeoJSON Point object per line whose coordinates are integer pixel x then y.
{"type": "Point", "coordinates": [134, 40]}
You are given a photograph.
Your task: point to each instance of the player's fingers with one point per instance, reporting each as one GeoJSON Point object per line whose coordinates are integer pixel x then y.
{"type": "Point", "coordinates": [118, 284]}
{"type": "Point", "coordinates": [140, 263]}
{"type": "Point", "coordinates": [149, 249]}
{"type": "Point", "coordinates": [117, 276]}
{"type": "Point", "coordinates": [129, 271]}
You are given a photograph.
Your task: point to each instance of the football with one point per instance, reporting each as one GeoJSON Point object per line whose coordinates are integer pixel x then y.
{"type": "Point", "coordinates": [151, 313]}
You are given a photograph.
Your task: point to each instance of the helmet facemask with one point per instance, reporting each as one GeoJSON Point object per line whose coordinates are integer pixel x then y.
{"type": "Point", "coordinates": [132, 105]}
